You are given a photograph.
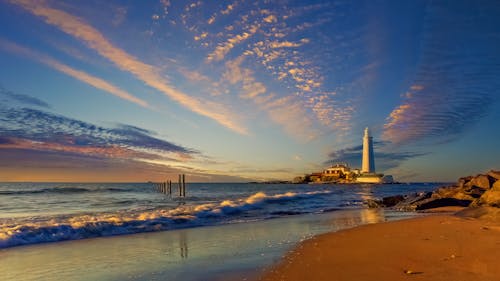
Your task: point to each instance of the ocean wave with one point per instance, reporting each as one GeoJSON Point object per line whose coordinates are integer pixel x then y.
{"type": "Point", "coordinates": [60, 190]}
{"type": "Point", "coordinates": [45, 190]}
{"type": "Point", "coordinates": [16, 232]}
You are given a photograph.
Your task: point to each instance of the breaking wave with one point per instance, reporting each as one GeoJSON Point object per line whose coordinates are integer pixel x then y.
{"type": "Point", "coordinates": [32, 230]}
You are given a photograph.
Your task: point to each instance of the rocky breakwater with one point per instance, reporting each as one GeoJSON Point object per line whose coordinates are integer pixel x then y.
{"type": "Point", "coordinates": [471, 191]}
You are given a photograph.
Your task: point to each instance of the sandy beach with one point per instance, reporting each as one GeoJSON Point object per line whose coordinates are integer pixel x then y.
{"type": "Point", "coordinates": [237, 251]}
{"type": "Point", "coordinates": [460, 247]}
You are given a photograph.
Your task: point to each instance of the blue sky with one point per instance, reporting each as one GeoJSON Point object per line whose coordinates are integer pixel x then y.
{"type": "Point", "coordinates": [240, 90]}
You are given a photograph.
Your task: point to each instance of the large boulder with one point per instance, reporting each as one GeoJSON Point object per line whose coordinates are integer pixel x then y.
{"type": "Point", "coordinates": [480, 181]}
{"type": "Point", "coordinates": [496, 185]}
{"type": "Point", "coordinates": [411, 202]}
{"type": "Point", "coordinates": [374, 204]}
{"type": "Point", "coordinates": [443, 202]}
{"type": "Point", "coordinates": [389, 201]}
{"type": "Point", "coordinates": [454, 192]}
{"type": "Point", "coordinates": [490, 197]}
{"type": "Point", "coordinates": [494, 174]}
{"type": "Point", "coordinates": [463, 181]}
{"type": "Point", "coordinates": [472, 191]}
{"type": "Point", "coordinates": [392, 200]}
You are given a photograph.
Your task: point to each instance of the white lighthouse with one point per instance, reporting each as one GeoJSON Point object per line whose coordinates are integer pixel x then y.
{"type": "Point", "coordinates": [368, 164]}
{"type": "Point", "coordinates": [368, 174]}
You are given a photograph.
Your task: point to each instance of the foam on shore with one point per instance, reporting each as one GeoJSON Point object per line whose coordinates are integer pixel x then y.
{"type": "Point", "coordinates": [31, 230]}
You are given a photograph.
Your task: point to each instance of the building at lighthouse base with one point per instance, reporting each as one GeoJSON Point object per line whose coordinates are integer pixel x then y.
{"type": "Point", "coordinates": [374, 178]}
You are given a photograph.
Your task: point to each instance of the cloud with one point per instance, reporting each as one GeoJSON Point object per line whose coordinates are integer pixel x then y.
{"type": "Point", "coordinates": [223, 48]}
{"type": "Point", "coordinates": [457, 79]}
{"type": "Point", "coordinates": [229, 8]}
{"type": "Point", "coordinates": [51, 166]}
{"type": "Point", "coordinates": [29, 128]}
{"type": "Point", "coordinates": [149, 74]}
{"type": "Point", "coordinates": [385, 156]}
{"type": "Point", "coordinates": [8, 97]}
{"type": "Point", "coordinates": [284, 44]}
{"type": "Point", "coordinates": [119, 16]}
{"type": "Point", "coordinates": [43, 146]}
{"type": "Point", "coordinates": [77, 74]}
{"type": "Point", "coordinates": [270, 19]}
{"type": "Point", "coordinates": [288, 111]}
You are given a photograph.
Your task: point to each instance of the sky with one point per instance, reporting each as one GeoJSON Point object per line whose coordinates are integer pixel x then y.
{"type": "Point", "coordinates": [229, 91]}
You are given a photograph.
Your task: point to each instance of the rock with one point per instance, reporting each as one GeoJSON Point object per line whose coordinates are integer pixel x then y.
{"type": "Point", "coordinates": [299, 180]}
{"type": "Point", "coordinates": [412, 201]}
{"type": "Point", "coordinates": [496, 185]}
{"type": "Point", "coordinates": [494, 174]}
{"type": "Point", "coordinates": [462, 181]}
{"type": "Point", "coordinates": [454, 192]}
{"type": "Point", "coordinates": [443, 202]}
{"type": "Point", "coordinates": [490, 197]}
{"type": "Point", "coordinates": [471, 191]}
{"type": "Point", "coordinates": [374, 204]}
{"type": "Point", "coordinates": [392, 200]}
{"type": "Point", "coordinates": [481, 181]}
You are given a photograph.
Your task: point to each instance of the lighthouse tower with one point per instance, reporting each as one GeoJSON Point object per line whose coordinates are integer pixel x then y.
{"type": "Point", "coordinates": [368, 165]}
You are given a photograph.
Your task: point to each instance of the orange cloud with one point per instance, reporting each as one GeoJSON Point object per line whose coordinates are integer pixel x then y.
{"type": "Point", "coordinates": [289, 112]}
{"type": "Point", "coordinates": [270, 19]}
{"type": "Point", "coordinates": [78, 74]}
{"type": "Point", "coordinates": [284, 44]}
{"type": "Point", "coordinates": [416, 87]}
{"type": "Point", "coordinates": [221, 51]}
{"type": "Point", "coordinates": [112, 151]}
{"type": "Point", "coordinates": [400, 116]}
{"type": "Point", "coordinates": [149, 74]}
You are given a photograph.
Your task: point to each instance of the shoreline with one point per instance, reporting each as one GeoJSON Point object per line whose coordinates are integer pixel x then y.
{"type": "Point", "coordinates": [237, 251]}
{"type": "Point", "coordinates": [464, 245]}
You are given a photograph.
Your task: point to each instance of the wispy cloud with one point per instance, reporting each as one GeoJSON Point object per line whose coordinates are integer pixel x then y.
{"type": "Point", "coordinates": [77, 74]}
{"type": "Point", "coordinates": [39, 126]}
{"type": "Point", "coordinates": [286, 63]}
{"type": "Point", "coordinates": [31, 128]}
{"type": "Point", "coordinates": [223, 48]}
{"type": "Point", "coordinates": [39, 145]}
{"type": "Point", "coordinates": [7, 96]}
{"type": "Point", "coordinates": [457, 79]}
{"type": "Point", "coordinates": [147, 73]}
{"type": "Point", "coordinates": [28, 165]}
{"type": "Point", "coordinates": [287, 111]}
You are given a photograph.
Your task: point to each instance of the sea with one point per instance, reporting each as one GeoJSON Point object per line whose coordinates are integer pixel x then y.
{"type": "Point", "coordinates": [33, 213]}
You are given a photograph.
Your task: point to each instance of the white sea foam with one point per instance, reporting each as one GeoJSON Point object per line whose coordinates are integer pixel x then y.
{"type": "Point", "coordinates": [22, 231]}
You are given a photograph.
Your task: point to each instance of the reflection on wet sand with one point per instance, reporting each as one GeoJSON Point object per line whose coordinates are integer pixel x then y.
{"type": "Point", "coordinates": [183, 244]}
{"type": "Point", "coordinates": [204, 253]}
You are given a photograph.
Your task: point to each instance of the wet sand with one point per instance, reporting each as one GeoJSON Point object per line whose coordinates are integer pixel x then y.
{"type": "Point", "coordinates": [237, 251]}
{"type": "Point", "coordinates": [460, 247]}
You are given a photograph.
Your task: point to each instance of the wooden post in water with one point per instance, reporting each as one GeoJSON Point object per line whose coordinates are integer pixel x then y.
{"type": "Point", "coordinates": [180, 186]}
{"type": "Point", "coordinates": [183, 185]}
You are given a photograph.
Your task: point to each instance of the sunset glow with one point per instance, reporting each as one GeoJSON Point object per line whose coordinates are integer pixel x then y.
{"type": "Point", "coordinates": [244, 91]}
